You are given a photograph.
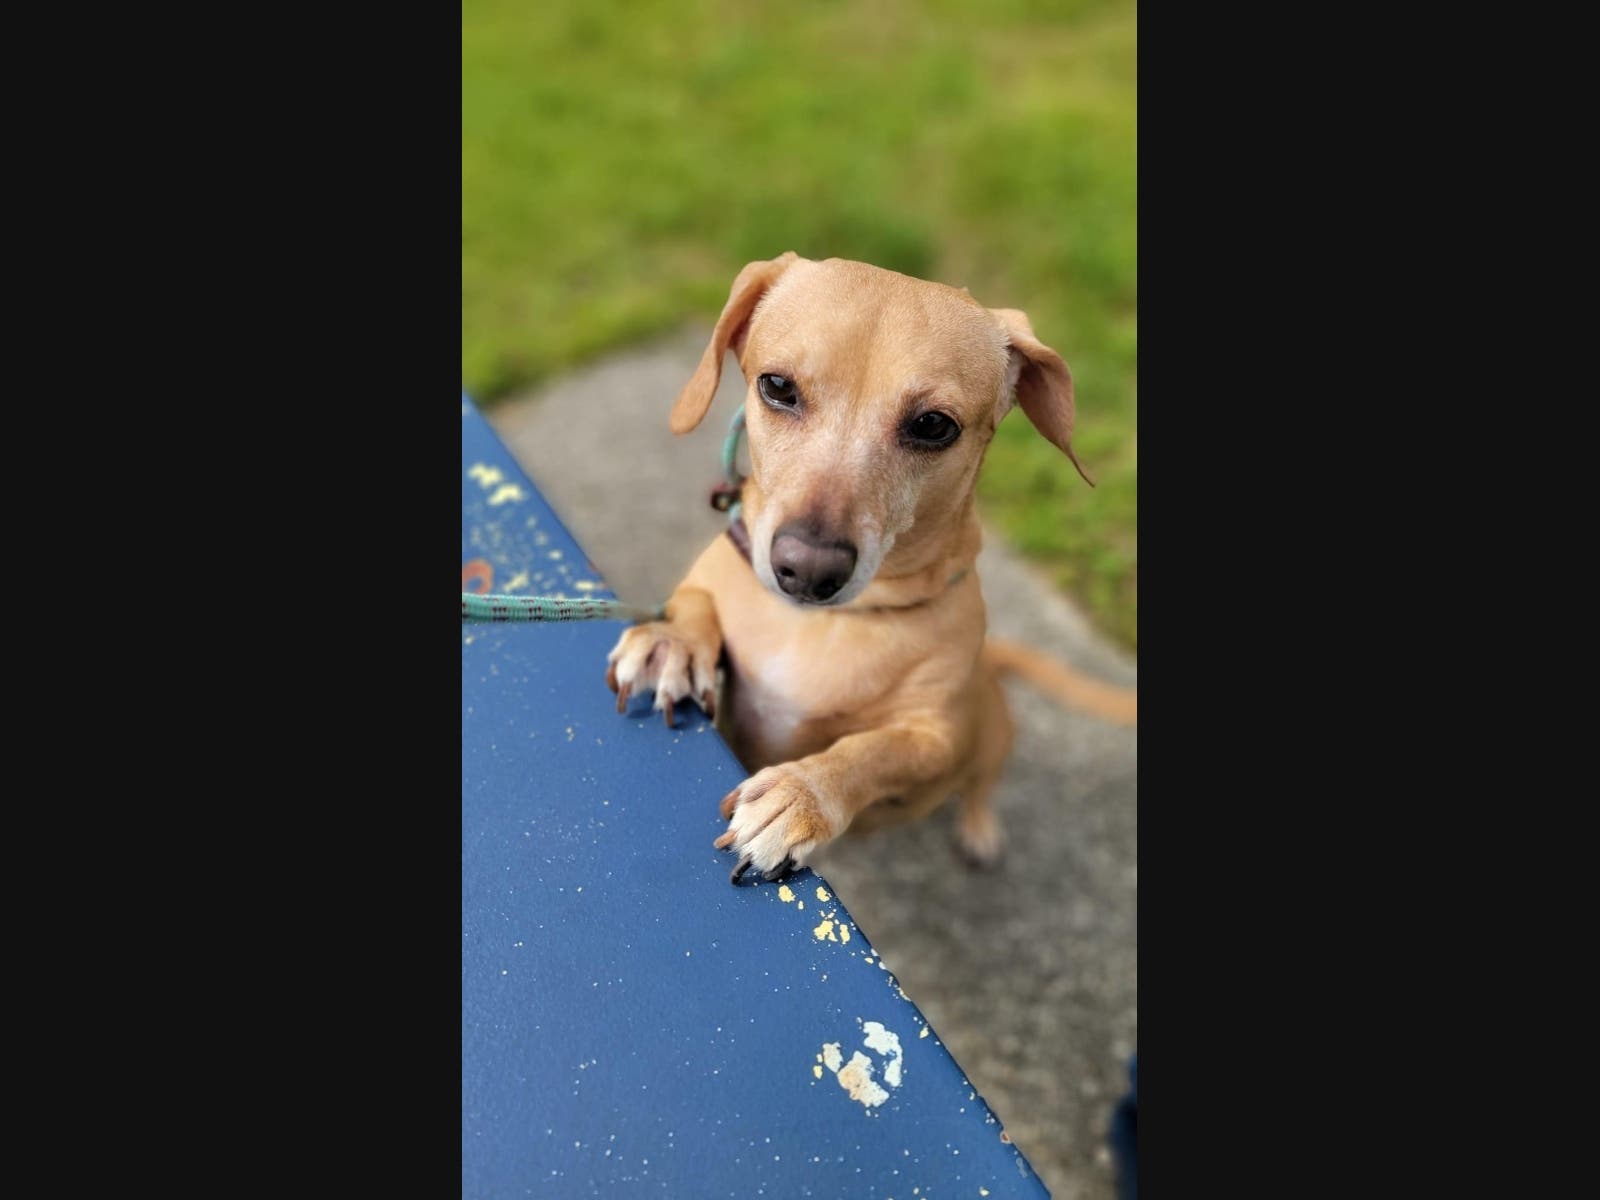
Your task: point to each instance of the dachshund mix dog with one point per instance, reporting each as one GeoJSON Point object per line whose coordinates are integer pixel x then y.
{"type": "Point", "coordinates": [843, 604]}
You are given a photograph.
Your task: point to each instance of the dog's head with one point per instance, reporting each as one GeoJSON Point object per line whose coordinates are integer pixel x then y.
{"type": "Point", "coordinates": [872, 398]}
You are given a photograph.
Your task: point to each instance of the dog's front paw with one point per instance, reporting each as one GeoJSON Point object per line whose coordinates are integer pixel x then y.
{"type": "Point", "coordinates": [662, 657]}
{"type": "Point", "coordinates": [776, 818]}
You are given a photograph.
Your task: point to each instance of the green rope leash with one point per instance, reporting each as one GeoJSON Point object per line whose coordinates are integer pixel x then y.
{"type": "Point", "coordinates": [497, 608]}
{"type": "Point", "coordinates": [730, 469]}
{"type": "Point", "coordinates": [551, 608]}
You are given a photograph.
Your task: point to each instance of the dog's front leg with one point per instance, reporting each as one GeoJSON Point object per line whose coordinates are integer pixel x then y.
{"type": "Point", "coordinates": [778, 817]}
{"type": "Point", "coordinates": [675, 658]}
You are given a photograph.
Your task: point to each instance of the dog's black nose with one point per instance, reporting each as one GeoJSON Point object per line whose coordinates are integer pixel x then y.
{"type": "Point", "coordinates": [810, 567]}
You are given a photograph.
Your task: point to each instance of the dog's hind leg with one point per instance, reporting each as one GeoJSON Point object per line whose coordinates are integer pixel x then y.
{"type": "Point", "coordinates": [979, 837]}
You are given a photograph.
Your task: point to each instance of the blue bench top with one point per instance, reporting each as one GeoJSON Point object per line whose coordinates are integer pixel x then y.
{"type": "Point", "coordinates": [630, 1021]}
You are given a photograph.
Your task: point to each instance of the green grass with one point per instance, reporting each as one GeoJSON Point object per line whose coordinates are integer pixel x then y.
{"type": "Point", "coordinates": [621, 161]}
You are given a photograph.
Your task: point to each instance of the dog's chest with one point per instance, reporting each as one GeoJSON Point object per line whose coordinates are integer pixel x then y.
{"type": "Point", "coordinates": [792, 691]}
{"type": "Point", "coordinates": [772, 692]}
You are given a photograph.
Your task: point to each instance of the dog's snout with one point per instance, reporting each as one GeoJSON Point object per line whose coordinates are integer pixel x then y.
{"type": "Point", "coordinates": [810, 567]}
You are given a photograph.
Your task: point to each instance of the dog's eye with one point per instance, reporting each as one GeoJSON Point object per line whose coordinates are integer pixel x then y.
{"type": "Point", "coordinates": [778, 391]}
{"type": "Point", "coordinates": [932, 430]}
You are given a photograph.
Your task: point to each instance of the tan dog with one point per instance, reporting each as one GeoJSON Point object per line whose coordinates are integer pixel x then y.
{"type": "Point", "coordinates": [844, 605]}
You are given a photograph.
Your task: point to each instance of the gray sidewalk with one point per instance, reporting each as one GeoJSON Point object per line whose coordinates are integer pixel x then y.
{"type": "Point", "coordinates": [1027, 972]}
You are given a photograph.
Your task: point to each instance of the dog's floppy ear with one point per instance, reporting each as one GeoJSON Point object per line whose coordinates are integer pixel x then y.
{"type": "Point", "coordinates": [748, 288]}
{"type": "Point", "coordinates": [1044, 384]}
